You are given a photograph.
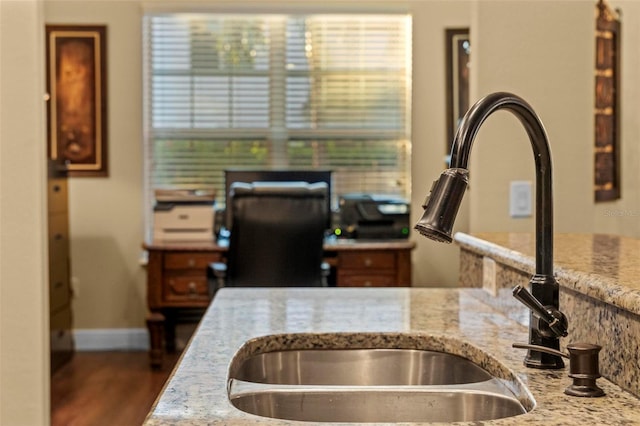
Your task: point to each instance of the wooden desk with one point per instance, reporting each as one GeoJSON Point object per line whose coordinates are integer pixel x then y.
{"type": "Point", "coordinates": [177, 277]}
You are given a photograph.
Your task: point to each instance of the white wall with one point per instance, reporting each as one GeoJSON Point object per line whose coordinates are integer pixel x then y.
{"type": "Point", "coordinates": [24, 302]}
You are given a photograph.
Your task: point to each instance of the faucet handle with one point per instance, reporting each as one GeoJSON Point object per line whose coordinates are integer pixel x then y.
{"type": "Point", "coordinates": [555, 319]}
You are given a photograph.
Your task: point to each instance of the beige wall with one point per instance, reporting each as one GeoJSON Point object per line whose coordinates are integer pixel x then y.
{"type": "Point", "coordinates": [24, 336]}
{"type": "Point", "coordinates": [623, 216]}
{"type": "Point", "coordinates": [106, 217]}
{"type": "Point", "coordinates": [545, 53]}
{"type": "Point", "coordinates": [434, 264]}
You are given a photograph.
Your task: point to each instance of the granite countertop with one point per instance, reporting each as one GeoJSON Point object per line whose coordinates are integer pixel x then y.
{"type": "Point", "coordinates": [453, 320]}
{"type": "Point", "coordinates": [604, 267]}
{"type": "Point", "coordinates": [599, 280]}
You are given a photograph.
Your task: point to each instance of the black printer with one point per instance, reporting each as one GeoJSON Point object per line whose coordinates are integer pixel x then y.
{"type": "Point", "coordinates": [371, 216]}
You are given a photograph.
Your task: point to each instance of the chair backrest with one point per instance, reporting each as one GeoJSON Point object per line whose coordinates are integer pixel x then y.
{"type": "Point", "coordinates": [277, 234]}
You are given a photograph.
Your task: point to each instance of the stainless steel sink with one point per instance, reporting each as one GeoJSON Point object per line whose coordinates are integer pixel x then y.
{"type": "Point", "coordinates": [366, 378]}
{"type": "Point", "coordinates": [379, 405]}
{"type": "Point", "coordinates": [362, 367]}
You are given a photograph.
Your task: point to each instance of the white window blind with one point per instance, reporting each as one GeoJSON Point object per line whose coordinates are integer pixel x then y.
{"type": "Point", "coordinates": [277, 91]}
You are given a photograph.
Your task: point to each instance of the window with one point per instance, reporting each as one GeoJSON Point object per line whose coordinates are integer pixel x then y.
{"type": "Point", "coordinates": [277, 91]}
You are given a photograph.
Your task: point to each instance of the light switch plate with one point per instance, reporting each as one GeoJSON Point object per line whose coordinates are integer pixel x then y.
{"type": "Point", "coordinates": [520, 199]}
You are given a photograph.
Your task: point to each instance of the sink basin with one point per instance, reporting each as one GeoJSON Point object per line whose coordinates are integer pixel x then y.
{"type": "Point", "coordinates": [372, 377]}
{"type": "Point", "coordinates": [362, 367]}
{"type": "Point", "coordinates": [381, 405]}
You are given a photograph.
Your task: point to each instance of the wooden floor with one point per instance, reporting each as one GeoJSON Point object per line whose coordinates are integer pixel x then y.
{"type": "Point", "coordinates": [106, 388]}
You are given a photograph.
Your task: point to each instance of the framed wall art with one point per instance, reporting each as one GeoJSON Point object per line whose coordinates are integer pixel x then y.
{"type": "Point", "coordinates": [458, 51]}
{"type": "Point", "coordinates": [77, 97]}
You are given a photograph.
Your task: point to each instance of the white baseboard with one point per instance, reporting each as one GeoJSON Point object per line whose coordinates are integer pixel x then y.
{"type": "Point", "coordinates": [111, 339]}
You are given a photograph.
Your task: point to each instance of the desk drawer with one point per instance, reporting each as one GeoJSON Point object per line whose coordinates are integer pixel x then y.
{"type": "Point", "coordinates": [186, 288]}
{"type": "Point", "coordinates": [366, 280]}
{"type": "Point", "coordinates": [368, 260]}
{"type": "Point", "coordinates": [190, 260]}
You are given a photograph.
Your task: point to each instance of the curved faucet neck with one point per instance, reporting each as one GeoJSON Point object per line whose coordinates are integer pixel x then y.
{"type": "Point", "coordinates": [461, 150]}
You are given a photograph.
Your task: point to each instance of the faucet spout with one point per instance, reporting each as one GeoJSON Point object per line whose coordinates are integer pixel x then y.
{"type": "Point", "coordinates": [446, 194]}
{"type": "Point", "coordinates": [461, 151]}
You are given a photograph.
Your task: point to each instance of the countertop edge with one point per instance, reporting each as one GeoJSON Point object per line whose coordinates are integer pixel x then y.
{"type": "Point", "coordinates": [596, 286]}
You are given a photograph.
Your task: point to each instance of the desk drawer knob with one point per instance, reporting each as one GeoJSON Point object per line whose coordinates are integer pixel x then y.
{"type": "Point", "coordinates": [367, 283]}
{"type": "Point", "coordinates": [368, 262]}
{"type": "Point", "coordinates": [193, 289]}
{"type": "Point", "coordinates": [192, 262]}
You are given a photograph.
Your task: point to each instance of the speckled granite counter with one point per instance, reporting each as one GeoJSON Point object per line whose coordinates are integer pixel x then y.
{"type": "Point", "coordinates": [454, 320]}
{"type": "Point", "coordinates": [605, 267]}
{"type": "Point", "coordinates": [599, 278]}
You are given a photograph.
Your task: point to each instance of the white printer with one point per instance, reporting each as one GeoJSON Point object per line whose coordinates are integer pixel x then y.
{"type": "Point", "coordinates": [184, 214]}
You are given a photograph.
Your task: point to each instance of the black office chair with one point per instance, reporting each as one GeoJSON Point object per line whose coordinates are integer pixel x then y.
{"type": "Point", "coordinates": [277, 235]}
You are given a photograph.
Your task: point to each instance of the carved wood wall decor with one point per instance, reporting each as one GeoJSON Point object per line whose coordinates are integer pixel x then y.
{"type": "Point", "coordinates": [607, 110]}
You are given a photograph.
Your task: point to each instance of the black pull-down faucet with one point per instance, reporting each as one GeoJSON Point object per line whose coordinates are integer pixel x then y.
{"type": "Point", "coordinates": [446, 194]}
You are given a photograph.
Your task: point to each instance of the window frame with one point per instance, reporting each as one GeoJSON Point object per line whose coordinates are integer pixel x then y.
{"type": "Point", "coordinates": [291, 134]}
